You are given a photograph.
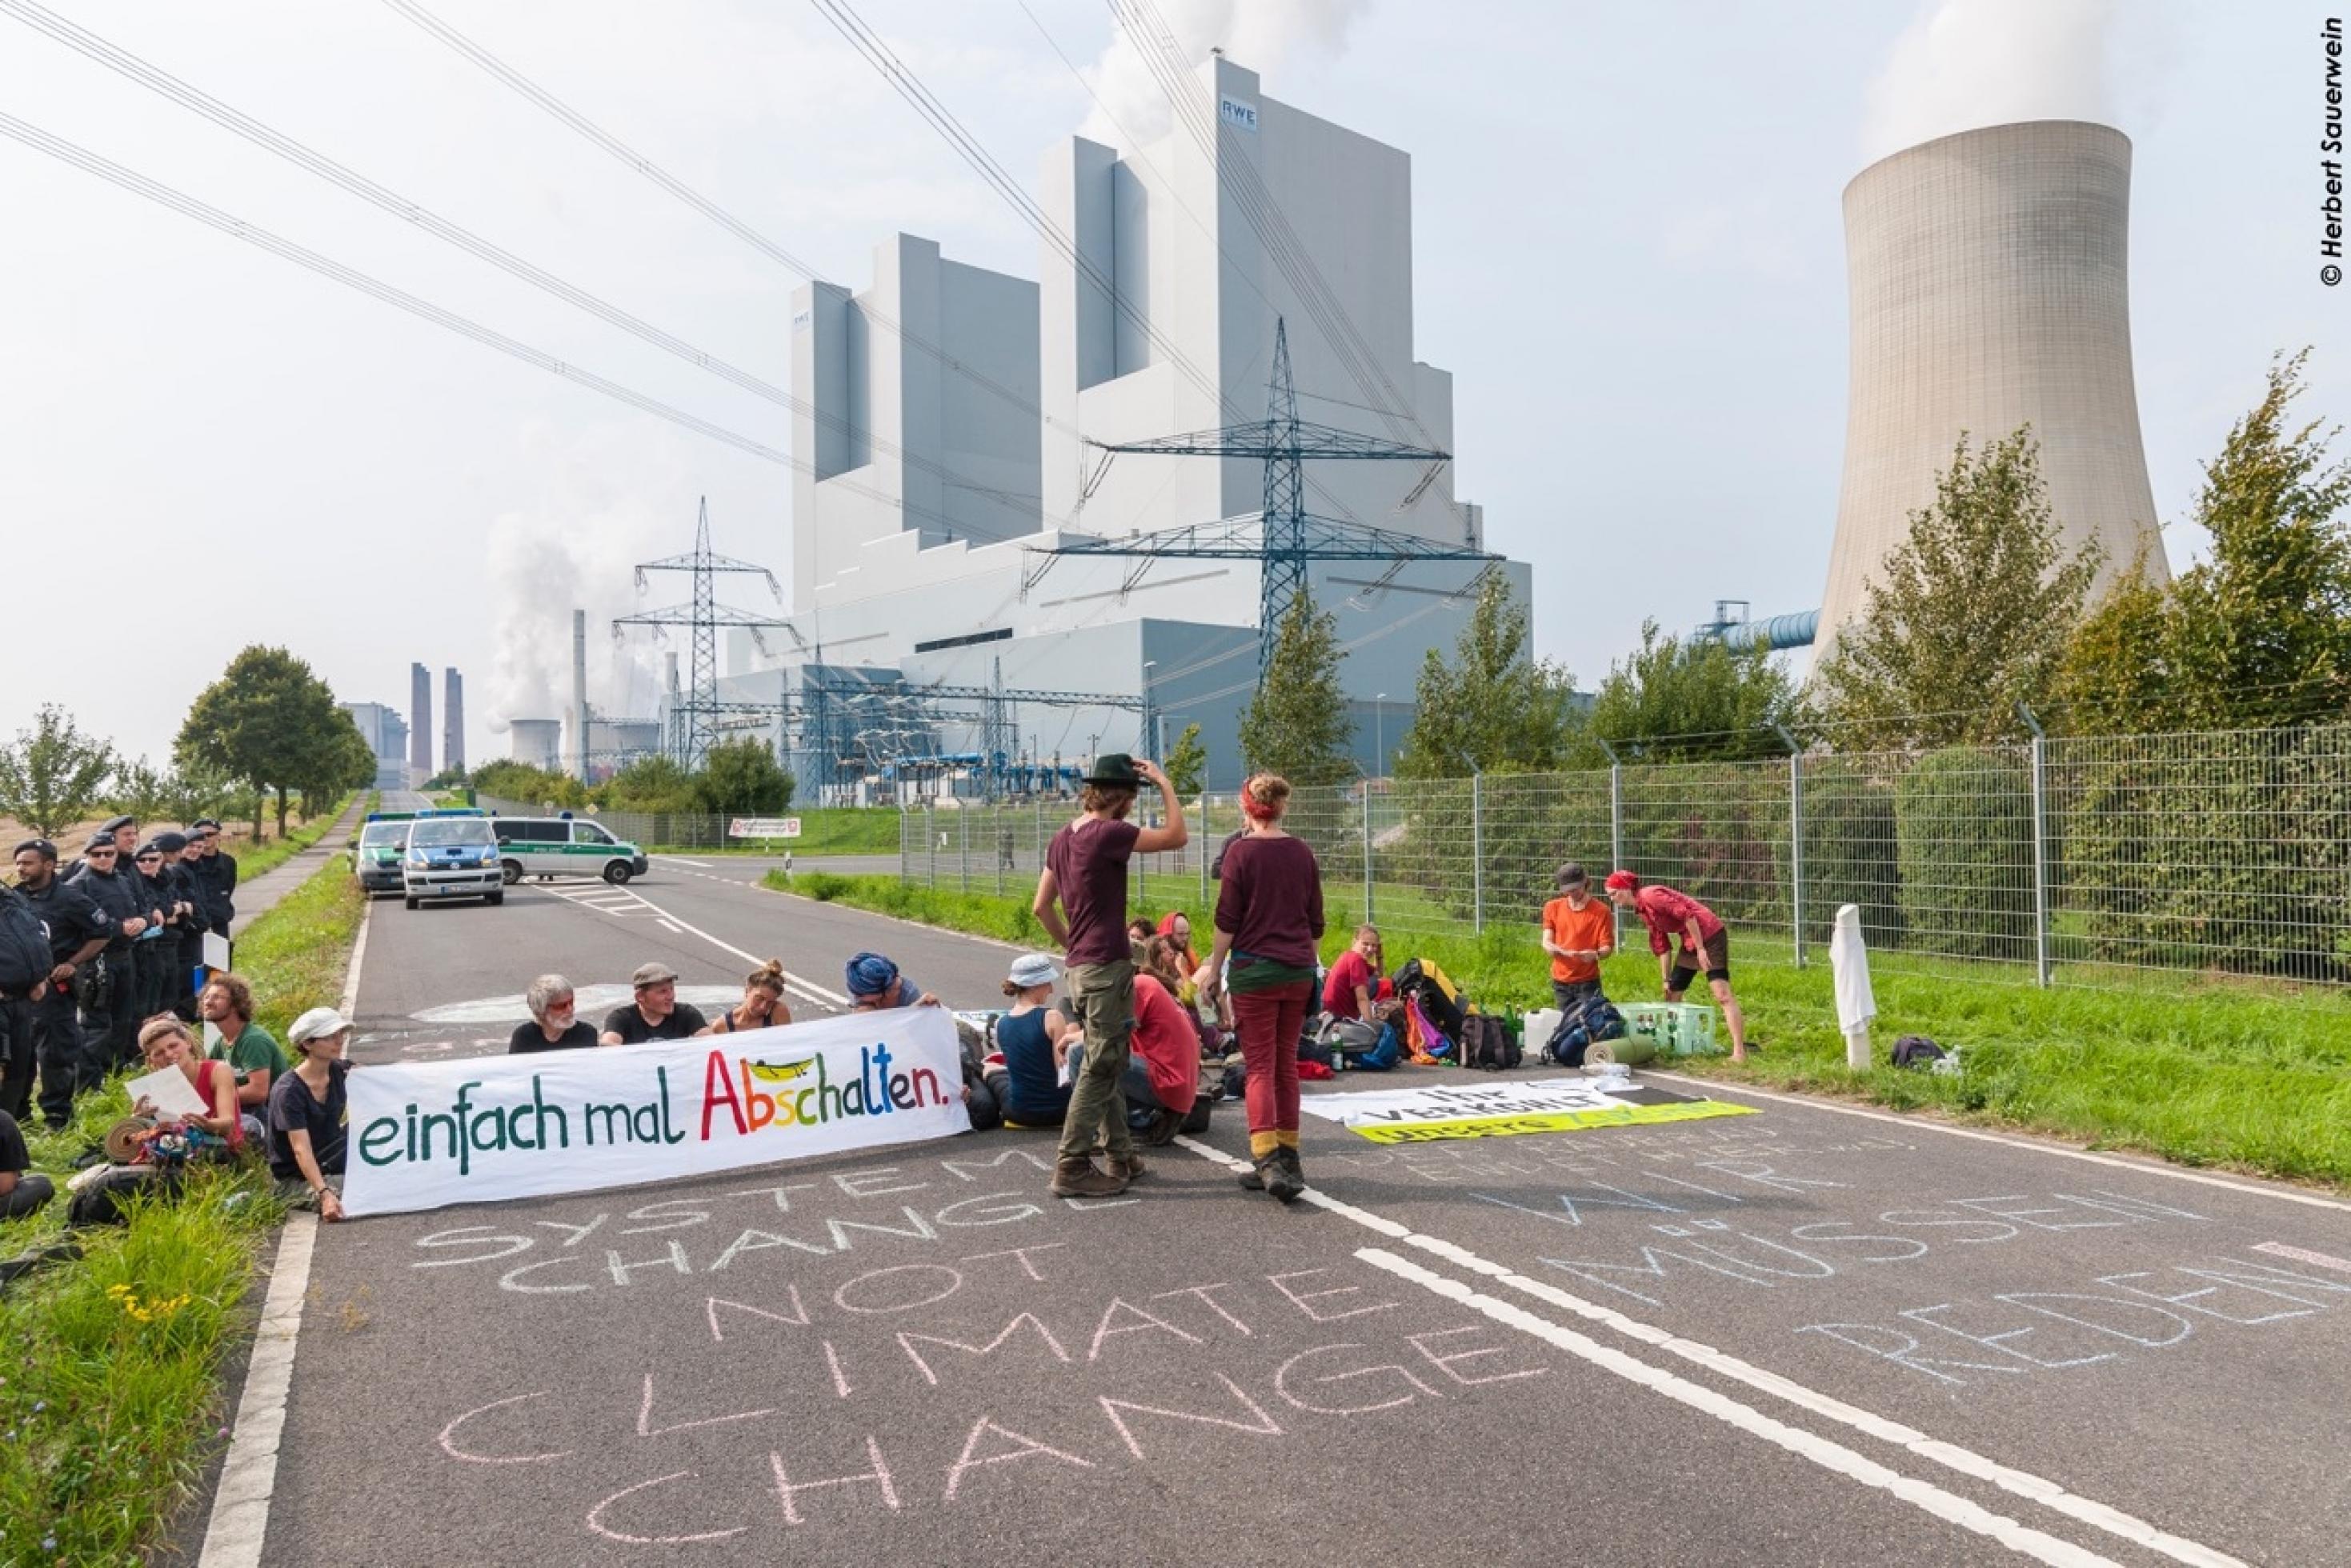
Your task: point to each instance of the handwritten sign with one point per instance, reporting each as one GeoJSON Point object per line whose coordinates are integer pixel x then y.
{"type": "Point", "coordinates": [427, 1133]}
{"type": "Point", "coordinates": [1508, 1109]}
{"type": "Point", "coordinates": [763, 827]}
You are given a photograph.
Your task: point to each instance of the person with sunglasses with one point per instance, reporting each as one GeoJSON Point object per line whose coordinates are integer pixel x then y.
{"type": "Point", "coordinates": [107, 986]}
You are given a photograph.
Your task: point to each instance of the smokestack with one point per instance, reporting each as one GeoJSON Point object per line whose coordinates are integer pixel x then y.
{"type": "Point", "coordinates": [420, 722]}
{"type": "Point", "coordinates": [580, 694]}
{"type": "Point", "coordinates": [453, 720]}
{"type": "Point", "coordinates": [670, 663]}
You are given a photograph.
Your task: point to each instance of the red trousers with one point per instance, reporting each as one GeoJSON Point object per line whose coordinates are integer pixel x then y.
{"type": "Point", "coordinates": [1269, 1023]}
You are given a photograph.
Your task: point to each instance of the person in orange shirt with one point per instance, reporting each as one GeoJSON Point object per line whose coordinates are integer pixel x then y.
{"type": "Point", "coordinates": [1578, 931]}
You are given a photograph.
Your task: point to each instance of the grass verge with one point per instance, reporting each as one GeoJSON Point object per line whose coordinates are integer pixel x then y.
{"type": "Point", "coordinates": [2208, 1073]}
{"type": "Point", "coordinates": [253, 861]}
{"type": "Point", "coordinates": [824, 830]}
{"type": "Point", "coordinates": [112, 1398]}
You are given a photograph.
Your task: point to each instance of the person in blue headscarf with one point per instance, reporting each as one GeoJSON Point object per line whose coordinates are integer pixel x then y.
{"type": "Point", "coordinates": [876, 986]}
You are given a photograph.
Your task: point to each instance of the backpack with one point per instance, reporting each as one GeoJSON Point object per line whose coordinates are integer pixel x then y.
{"type": "Point", "coordinates": [1486, 1042]}
{"type": "Point", "coordinates": [1917, 1051]}
{"type": "Point", "coordinates": [1594, 1021]}
{"type": "Point", "coordinates": [1426, 986]}
{"type": "Point", "coordinates": [1358, 1045]}
{"type": "Point", "coordinates": [24, 943]}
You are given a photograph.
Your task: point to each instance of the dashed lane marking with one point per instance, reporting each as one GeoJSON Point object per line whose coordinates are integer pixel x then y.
{"type": "Point", "coordinates": [681, 860]}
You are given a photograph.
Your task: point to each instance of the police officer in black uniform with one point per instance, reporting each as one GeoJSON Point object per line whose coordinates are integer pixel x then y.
{"type": "Point", "coordinates": [190, 918]}
{"type": "Point", "coordinates": [107, 988]}
{"type": "Point", "coordinates": [218, 869]}
{"type": "Point", "coordinates": [155, 955]}
{"type": "Point", "coordinates": [78, 932]}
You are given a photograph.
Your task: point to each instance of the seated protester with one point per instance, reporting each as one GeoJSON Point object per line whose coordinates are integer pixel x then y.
{"type": "Point", "coordinates": [656, 1013]}
{"type": "Point", "coordinates": [762, 1006]}
{"type": "Point", "coordinates": [1176, 926]}
{"type": "Point", "coordinates": [23, 1190]}
{"type": "Point", "coordinates": [876, 986]}
{"type": "Point", "coordinates": [1139, 930]}
{"type": "Point", "coordinates": [1034, 1038]}
{"type": "Point", "coordinates": [166, 1042]}
{"type": "Point", "coordinates": [1162, 1082]}
{"type": "Point", "coordinates": [554, 1021]}
{"type": "Point", "coordinates": [227, 1004]}
{"type": "Point", "coordinates": [307, 1116]}
{"type": "Point", "coordinates": [1352, 989]}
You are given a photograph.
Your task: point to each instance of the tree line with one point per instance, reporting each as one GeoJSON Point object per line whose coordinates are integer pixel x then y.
{"type": "Point", "coordinates": [737, 777]}
{"type": "Point", "coordinates": [267, 731]}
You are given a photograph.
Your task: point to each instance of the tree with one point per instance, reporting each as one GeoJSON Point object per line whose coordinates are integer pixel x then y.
{"type": "Point", "coordinates": [1971, 614]}
{"type": "Point", "coordinates": [1671, 700]}
{"type": "Point", "coordinates": [742, 775]}
{"type": "Point", "coordinates": [2118, 677]}
{"type": "Point", "coordinates": [53, 773]}
{"type": "Point", "coordinates": [649, 782]}
{"type": "Point", "coordinates": [1494, 704]}
{"type": "Point", "coordinates": [1297, 724]}
{"type": "Point", "coordinates": [1186, 762]}
{"type": "Point", "coordinates": [267, 723]}
{"type": "Point", "coordinates": [532, 787]}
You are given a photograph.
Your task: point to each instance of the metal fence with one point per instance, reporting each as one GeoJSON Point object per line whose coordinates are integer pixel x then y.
{"type": "Point", "coordinates": [2224, 852]}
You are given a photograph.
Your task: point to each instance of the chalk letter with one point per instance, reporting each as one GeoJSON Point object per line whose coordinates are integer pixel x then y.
{"type": "Point", "coordinates": [1281, 1384]}
{"type": "Point", "coordinates": [711, 1308]}
{"type": "Point", "coordinates": [1445, 1363]}
{"type": "Point", "coordinates": [788, 1489]}
{"type": "Point", "coordinates": [449, 1437]}
{"type": "Point", "coordinates": [1104, 1331]}
{"type": "Point", "coordinates": [906, 1339]}
{"type": "Point", "coordinates": [965, 1461]}
{"type": "Point", "coordinates": [596, 1517]}
{"type": "Point", "coordinates": [1263, 1426]}
{"type": "Point", "coordinates": [675, 1258]}
{"type": "Point", "coordinates": [645, 1428]}
{"type": "Point", "coordinates": [1301, 1302]}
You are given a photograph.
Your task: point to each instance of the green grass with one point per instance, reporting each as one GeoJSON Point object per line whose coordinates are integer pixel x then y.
{"type": "Point", "coordinates": [2213, 1072]}
{"type": "Point", "coordinates": [824, 830]}
{"type": "Point", "coordinates": [254, 859]}
{"type": "Point", "coordinates": [106, 1418]}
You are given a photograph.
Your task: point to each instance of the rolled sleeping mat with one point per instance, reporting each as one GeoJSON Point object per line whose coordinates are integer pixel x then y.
{"type": "Point", "coordinates": [1632, 1051]}
{"type": "Point", "coordinates": [122, 1140]}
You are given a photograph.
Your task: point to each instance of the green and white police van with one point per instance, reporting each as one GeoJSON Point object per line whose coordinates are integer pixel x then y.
{"type": "Point", "coordinates": [382, 845]}
{"type": "Point", "coordinates": [544, 846]}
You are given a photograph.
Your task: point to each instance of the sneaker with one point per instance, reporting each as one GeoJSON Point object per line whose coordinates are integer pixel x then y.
{"type": "Point", "coordinates": [1081, 1179]}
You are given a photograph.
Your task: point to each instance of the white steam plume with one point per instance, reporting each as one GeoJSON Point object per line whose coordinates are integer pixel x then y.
{"type": "Point", "coordinates": [1965, 64]}
{"type": "Point", "coordinates": [1262, 35]}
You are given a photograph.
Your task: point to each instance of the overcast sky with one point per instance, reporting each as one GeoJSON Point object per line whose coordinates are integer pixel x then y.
{"type": "Point", "coordinates": [1628, 252]}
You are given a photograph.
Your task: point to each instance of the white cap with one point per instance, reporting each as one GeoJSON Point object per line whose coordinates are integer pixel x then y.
{"type": "Point", "coordinates": [317, 1024]}
{"type": "Point", "coordinates": [1032, 969]}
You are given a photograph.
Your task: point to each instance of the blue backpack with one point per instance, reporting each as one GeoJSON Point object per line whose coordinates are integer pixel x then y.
{"type": "Point", "coordinates": [1596, 1020]}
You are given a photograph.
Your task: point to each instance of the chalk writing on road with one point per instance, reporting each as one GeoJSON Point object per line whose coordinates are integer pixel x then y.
{"type": "Point", "coordinates": [2021, 1334]}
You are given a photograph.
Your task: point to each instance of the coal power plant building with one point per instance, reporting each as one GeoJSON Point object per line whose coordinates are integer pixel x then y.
{"type": "Point", "coordinates": [1991, 289]}
{"type": "Point", "coordinates": [949, 408]}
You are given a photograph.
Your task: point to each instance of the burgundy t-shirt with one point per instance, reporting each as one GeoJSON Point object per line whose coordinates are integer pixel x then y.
{"type": "Point", "coordinates": [1088, 860]}
{"type": "Point", "coordinates": [1271, 901]}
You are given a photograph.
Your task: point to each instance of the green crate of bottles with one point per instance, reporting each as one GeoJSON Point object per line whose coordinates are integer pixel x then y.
{"type": "Point", "coordinates": [1678, 1028]}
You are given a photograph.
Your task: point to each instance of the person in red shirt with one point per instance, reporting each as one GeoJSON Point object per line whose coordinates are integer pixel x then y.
{"type": "Point", "coordinates": [1578, 931]}
{"type": "Point", "coordinates": [1352, 986]}
{"type": "Point", "coordinates": [1705, 945]}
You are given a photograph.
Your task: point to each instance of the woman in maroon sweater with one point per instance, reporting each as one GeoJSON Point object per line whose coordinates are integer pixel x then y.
{"type": "Point", "coordinates": [1269, 921]}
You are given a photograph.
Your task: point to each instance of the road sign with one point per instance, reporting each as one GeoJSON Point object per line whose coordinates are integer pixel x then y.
{"type": "Point", "coordinates": [763, 827]}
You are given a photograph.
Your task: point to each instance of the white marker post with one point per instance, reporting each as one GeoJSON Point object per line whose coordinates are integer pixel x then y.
{"type": "Point", "coordinates": [1849, 970]}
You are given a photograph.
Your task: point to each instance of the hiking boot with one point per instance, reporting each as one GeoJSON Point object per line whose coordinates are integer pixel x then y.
{"type": "Point", "coordinates": [1283, 1177]}
{"type": "Point", "coordinates": [1081, 1179]}
{"type": "Point", "coordinates": [1253, 1179]}
{"type": "Point", "coordinates": [1126, 1168]}
{"type": "Point", "coordinates": [1164, 1126]}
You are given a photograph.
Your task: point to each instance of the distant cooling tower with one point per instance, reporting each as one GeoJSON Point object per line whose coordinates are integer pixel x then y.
{"type": "Point", "coordinates": [1991, 289]}
{"type": "Point", "coordinates": [537, 741]}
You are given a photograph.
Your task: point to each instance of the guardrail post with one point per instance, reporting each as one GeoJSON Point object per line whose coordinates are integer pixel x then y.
{"type": "Point", "coordinates": [2040, 844]}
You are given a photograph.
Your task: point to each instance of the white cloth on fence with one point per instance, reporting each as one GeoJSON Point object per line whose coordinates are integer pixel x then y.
{"type": "Point", "coordinates": [1849, 968]}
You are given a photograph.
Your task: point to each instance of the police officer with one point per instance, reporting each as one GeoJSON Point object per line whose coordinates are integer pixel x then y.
{"type": "Point", "coordinates": [154, 954]}
{"type": "Point", "coordinates": [218, 869]}
{"type": "Point", "coordinates": [107, 988]}
{"type": "Point", "coordinates": [184, 948]}
{"type": "Point", "coordinates": [79, 931]}
{"type": "Point", "coordinates": [24, 979]}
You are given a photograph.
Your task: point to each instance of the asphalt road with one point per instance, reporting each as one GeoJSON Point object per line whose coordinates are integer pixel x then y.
{"type": "Point", "coordinates": [1802, 1335]}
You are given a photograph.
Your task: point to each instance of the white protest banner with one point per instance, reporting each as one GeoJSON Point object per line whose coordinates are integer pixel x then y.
{"type": "Point", "coordinates": [482, 1128]}
{"type": "Point", "coordinates": [763, 827]}
{"type": "Point", "coordinates": [1506, 1109]}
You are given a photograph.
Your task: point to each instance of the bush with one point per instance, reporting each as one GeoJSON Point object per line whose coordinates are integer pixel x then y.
{"type": "Point", "coordinates": [1963, 822]}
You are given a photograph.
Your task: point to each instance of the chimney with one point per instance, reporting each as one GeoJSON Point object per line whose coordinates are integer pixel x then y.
{"type": "Point", "coordinates": [580, 694]}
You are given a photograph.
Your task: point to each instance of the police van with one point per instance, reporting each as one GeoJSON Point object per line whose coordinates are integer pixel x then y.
{"type": "Point", "coordinates": [547, 846]}
{"type": "Point", "coordinates": [382, 847]}
{"type": "Point", "coordinates": [451, 854]}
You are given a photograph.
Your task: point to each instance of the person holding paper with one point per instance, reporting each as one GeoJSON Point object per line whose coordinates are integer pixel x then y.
{"type": "Point", "coordinates": [166, 1042]}
{"type": "Point", "coordinates": [309, 1116]}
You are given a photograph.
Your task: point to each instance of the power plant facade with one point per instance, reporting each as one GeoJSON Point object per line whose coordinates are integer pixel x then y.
{"type": "Point", "coordinates": [420, 722]}
{"type": "Point", "coordinates": [1989, 285]}
{"type": "Point", "coordinates": [453, 717]}
{"type": "Point", "coordinates": [949, 408]}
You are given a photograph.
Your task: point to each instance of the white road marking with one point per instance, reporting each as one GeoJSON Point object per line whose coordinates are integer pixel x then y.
{"type": "Point", "coordinates": [2022, 1483]}
{"type": "Point", "coordinates": [670, 926]}
{"type": "Point", "coordinates": [2145, 1167]}
{"type": "Point", "coordinates": [1832, 1457]}
{"type": "Point", "coordinates": [234, 1535]}
{"type": "Point", "coordinates": [2302, 1255]}
{"type": "Point", "coordinates": [682, 860]}
{"type": "Point", "coordinates": [806, 990]}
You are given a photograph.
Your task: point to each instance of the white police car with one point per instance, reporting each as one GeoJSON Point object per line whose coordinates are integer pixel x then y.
{"type": "Point", "coordinates": [451, 854]}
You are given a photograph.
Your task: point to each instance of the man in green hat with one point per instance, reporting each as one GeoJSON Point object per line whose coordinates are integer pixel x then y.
{"type": "Point", "coordinates": [1082, 903]}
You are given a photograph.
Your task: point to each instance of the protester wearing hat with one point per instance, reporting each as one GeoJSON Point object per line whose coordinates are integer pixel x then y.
{"type": "Point", "coordinates": [79, 931]}
{"type": "Point", "coordinates": [1034, 1038]}
{"type": "Point", "coordinates": [1268, 926]}
{"type": "Point", "coordinates": [1082, 903]}
{"type": "Point", "coordinates": [876, 986]}
{"type": "Point", "coordinates": [655, 1013]}
{"type": "Point", "coordinates": [110, 999]}
{"type": "Point", "coordinates": [309, 1114]}
{"type": "Point", "coordinates": [1705, 945]}
{"type": "Point", "coordinates": [1578, 931]}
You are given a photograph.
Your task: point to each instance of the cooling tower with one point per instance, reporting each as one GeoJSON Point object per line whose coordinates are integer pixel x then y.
{"type": "Point", "coordinates": [1991, 289]}
{"type": "Point", "coordinates": [537, 741]}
